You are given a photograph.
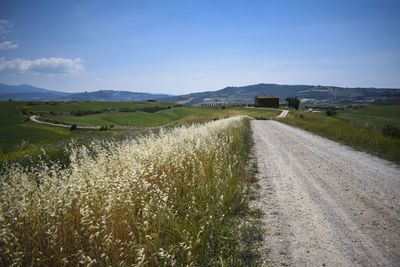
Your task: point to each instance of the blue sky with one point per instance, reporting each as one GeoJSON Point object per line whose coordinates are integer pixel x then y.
{"type": "Point", "coordinates": [187, 46]}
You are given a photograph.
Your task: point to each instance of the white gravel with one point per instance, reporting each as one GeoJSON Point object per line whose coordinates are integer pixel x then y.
{"type": "Point", "coordinates": [283, 114]}
{"type": "Point", "coordinates": [324, 203]}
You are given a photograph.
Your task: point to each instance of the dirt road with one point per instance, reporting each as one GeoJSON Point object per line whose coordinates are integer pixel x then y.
{"type": "Point", "coordinates": [325, 204]}
{"type": "Point", "coordinates": [34, 118]}
{"type": "Point", "coordinates": [283, 114]}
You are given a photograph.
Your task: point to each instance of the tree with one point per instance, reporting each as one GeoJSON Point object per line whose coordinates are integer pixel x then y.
{"type": "Point", "coordinates": [293, 102]}
{"type": "Point", "coordinates": [330, 113]}
{"type": "Point", "coordinates": [26, 110]}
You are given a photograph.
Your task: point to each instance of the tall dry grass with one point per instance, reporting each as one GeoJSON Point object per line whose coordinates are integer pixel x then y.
{"type": "Point", "coordinates": [170, 199]}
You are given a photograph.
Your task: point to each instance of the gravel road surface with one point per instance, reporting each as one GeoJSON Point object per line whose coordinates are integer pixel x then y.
{"type": "Point", "coordinates": [283, 114]}
{"type": "Point", "coordinates": [325, 204]}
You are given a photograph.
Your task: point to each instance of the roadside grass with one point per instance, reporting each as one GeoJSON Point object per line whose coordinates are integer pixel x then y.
{"type": "Point", "coordinates": [207, 114]}
{"type": "Point", "coordinates": [175, 198]}
{"type": "Point", "coordinates": [252, 228]}
{"type": "Point", "coordinates": [371, 116]}
{"type": "Point", "coordinates": [135, 119]}
{"type": "Point", "coordinates": [366, 139]}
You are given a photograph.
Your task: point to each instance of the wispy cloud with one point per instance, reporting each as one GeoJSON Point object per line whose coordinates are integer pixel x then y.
{"type": "Point", "coordinates": [51, 65]}
{"type": "Point", "coordinates": [5, 28]}
{"type": "Point", "coordinates": [7, 45]}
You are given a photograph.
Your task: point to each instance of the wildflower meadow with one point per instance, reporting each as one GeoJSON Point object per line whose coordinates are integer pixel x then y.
{"type": "Point", "coordinates": [172, 198]}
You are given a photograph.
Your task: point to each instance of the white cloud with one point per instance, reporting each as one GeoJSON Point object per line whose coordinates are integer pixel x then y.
{"type": "Point", "coordinates": [5, 28]}
{"type": "Point", "coordinates": [7, 45]}
{"type": "Point", "coordinates": [51, 65]}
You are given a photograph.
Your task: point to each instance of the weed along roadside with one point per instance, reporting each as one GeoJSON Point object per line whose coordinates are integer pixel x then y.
{"type": "Point", "coordinates": [176, 198]}
{"type": "Point", "coordinates": [368, 139]}
{"type": "Point", "coordinates": [325, 204]}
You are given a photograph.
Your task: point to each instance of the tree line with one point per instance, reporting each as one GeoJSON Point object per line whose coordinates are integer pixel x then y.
{"type": "Point", "coordinates": [293, 102]}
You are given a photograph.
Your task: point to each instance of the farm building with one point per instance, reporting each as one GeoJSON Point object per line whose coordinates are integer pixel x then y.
{"type": "Point", "coordinates": [267, 101]}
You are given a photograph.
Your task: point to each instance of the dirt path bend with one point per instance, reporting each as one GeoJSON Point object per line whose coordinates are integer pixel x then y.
{"type": "Point", "coordinates": [324, 203]}
{"type": "Point", "coordinates": [34, 118]}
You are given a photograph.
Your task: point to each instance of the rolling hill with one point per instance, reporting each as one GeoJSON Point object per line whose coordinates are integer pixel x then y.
{"type": "Point", "coordinates": [307, 93]}
{"type": "Point", "coordinates": [26, 92]}
{"type": "Point", "coordinates": [111, 95]}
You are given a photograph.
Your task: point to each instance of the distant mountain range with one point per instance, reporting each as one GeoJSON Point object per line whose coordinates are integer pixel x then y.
{"type": "Point", "coordinates": [307, 93]}
{"type": "Point", "coordinates": [113, 96]}
{"type": "Point", "coordinates": [243, 94]}
{"type": "Point", "coordinates": [26, 92]}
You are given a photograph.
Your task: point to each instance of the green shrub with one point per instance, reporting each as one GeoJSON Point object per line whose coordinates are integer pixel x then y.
{"type": "Point", "coordinates": [73, 127]}
{"type": "Point", "coordinates": [104, 128]}
{"type": "Point", "coordinates": [330, 112]}
{"type": "Point", "coordinates": [391, 131]}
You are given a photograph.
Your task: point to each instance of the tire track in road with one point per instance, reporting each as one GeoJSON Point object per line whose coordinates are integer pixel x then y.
{"type": "Point", "coordinates": [324, 203]}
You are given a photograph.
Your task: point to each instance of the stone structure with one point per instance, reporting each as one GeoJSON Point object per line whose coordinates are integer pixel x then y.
{"type": "Point", "coordinates": [267, 101]}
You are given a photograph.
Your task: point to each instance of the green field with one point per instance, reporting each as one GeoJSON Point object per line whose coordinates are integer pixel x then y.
{"type": "Point", "coordinates": [360, 128]}
{"type": "Point", "coordinates": [163, 117]}
{"type": "Point", "coordinates": [371, 116]}
{"type": "Point", "coordinates": [21, 137]}
{"type": "Point", "coordinates": [16, 131]}
{"type": "Point", "coordinates": [67, 107]}
{"type": "Point", "coordinates": [137, 119]}
{"type": "Point", "coordinates": [220, 113]}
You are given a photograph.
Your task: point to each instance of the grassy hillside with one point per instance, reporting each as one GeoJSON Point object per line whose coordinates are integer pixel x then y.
{"type": "Point", "coordinates": [67, 107]}
{"type": "Point", "coordinates": [163, 117]}
{"type": "Point", "coordinates": [309, 93]}
{"type": "Point", "coordinates": [138, 119]}
{"type": "Point", "coordinates": [14, 127]}
{"type": "Point", "coordinates": [112, 95]}
{"type": "Point", "coordinates": [18, 133]}
{"type": "Point", "coordinates": [360, 129]}
{"type": "Point", "coordinates": [371, 116]}
{"type": "Point", "coordinates": [20, 137]}
{"type": "Point", "coordinates": [243, 94]}
{"type": "Point", "coordinates": [220, 113]}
